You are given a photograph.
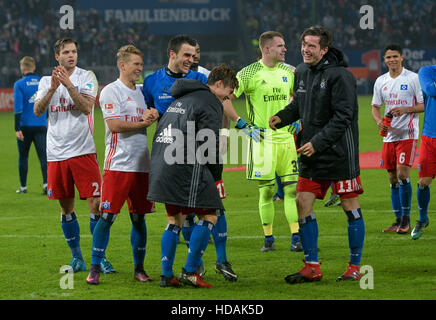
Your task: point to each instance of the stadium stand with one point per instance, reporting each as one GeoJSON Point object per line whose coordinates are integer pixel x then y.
{"type": "Point", "coordinates": [342, 18]}
{"type": "Point", "coordinates": [30, 27]}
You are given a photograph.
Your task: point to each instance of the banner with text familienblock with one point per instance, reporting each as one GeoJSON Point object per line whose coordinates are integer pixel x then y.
{"type": "Point", "coordinates": [165, 17]}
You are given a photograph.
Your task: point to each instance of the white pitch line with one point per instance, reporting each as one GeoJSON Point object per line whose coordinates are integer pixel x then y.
{"type": "Point", "coordinates": [370, 236]}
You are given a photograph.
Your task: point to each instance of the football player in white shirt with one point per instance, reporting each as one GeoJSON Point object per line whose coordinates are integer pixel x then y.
{"type": "Point", "coordinates": [69, 95]}
{"type": "Point", "coordinates": [399, 90]}
{"type": "Point", "coordinates": [127, 161]}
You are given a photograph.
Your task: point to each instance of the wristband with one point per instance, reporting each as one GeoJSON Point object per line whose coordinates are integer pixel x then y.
{"type": "Point", "coordinates": [224, 132]}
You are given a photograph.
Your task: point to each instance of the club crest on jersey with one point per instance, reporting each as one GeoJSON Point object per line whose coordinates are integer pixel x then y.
{"type": "Point", "coordinates": [106, 205]}
{"type": "Point", "coordinates": [285, 79]}
{"type": "Point", "coordinates": [323, 84]}
{"type": "Point", "coordinates": [403, 87]}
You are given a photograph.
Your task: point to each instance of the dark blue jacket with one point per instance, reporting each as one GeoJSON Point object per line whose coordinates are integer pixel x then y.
{"type": "Point", "coordinates": [325, 99]}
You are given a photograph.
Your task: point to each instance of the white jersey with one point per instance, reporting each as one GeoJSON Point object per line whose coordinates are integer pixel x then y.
{"type": "Point", "coordinates": [70, 131]}
{"type": "Point", "coordinates": [203, 71]}
{"type": "Point", "coordinates": [402, 91]}
{"type": "Point", "coordinates": [125, 151]}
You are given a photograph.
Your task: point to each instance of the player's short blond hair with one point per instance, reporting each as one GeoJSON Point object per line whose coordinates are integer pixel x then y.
{"type": "Point", "coordinates": [28, 62]}
{"type": "Point", "coordinates": [266, 37]}
{"type": "Point", "coordinates": [125, 52]}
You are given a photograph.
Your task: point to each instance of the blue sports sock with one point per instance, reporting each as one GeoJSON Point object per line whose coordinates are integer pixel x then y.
{"type": "Point", "coordinates": [405, 196]}
{"type": "Point", "coordinates": [219, 233]}
{"type": "Point", "coordinates": [269, 238]}
{"type": "Point", "coordinates": [309, 237]}
{"type": "Point", "coordinates": [296, 237]}
{"type": "Point", "coordinates": [395, 199]}
{"type": "Point", "coordinates": [100, 237]}
{"type": "Point", "coordinates": [93, 221]}
{"type": "Point", "coordinates": [138, 238]}
{"type": "Point", "coordinates": [187, 228]}
{"type": "Point", "coordinates": [168, 245]}
{"type": "Point", "coordinates": [71, 229]}
{"type": "Point", "coordinates": [280, 191]}
{"type": "Point", "coordinates": [423, 195]}
{"type": "Point", "coordinates": [356, 235]}
{"type": "Point", "coordinates": [198, 244]}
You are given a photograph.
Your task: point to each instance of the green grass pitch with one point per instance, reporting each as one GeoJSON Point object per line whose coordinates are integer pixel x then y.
{"type": "Point", "coordinates": [32, 247]}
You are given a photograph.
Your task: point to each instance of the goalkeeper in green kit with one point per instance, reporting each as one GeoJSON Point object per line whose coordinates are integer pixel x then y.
{"type": "Point", "coordinates": [268, 86]}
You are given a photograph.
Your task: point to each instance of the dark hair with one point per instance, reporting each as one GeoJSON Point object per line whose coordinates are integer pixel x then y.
{"type": "Point", "coordinates": [176, 42]}
{"type": "Point", "coordinates": [325, 37]}
{"type": "Point", "coordinates": [224, 73]}
{"type": "Point", "coordinates": [394, 47]}
{"type": "Point", "coordinates": [61, 42]}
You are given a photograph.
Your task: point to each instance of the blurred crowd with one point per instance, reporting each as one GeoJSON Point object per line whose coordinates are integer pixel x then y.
{"type": "Point", "coordinates": [30, 27]}
{"type": "Point", "coordinates": [410, 23]}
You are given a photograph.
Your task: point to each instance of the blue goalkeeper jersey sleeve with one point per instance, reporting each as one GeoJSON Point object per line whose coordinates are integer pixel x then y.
{"type": "Point", "coordinates": [24, 98]}
{"type": "Point", "coordinates": [156, 88]}
{"type": "Point", "coordinates": [427, 79]}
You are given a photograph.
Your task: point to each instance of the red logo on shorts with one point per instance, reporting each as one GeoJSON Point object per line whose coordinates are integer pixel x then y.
{"type": "Point", "coordinates": [109, 106]}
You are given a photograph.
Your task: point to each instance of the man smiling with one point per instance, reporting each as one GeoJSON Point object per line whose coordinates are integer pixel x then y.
{"type": "Point", "coordinates": [400, 91]}
{"type": "Point", "coordinates": [156, 89]}
{"type": "Point", "coordinates": [126, 163]}
{"type": "Point", "coordinates": [325, 100]}
{"type": "Point", "coordinates": [69, 95]}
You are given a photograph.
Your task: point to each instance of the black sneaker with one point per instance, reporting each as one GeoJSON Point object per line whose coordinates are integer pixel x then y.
{"type": "Point", "coordinates": [404, 225]}
{"type": "Point", "coordinates": [226, 270]}
{"type": "Point", "coordinates": [169, 282]}
{"type": "Point", "coordinates": [268, 246]}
